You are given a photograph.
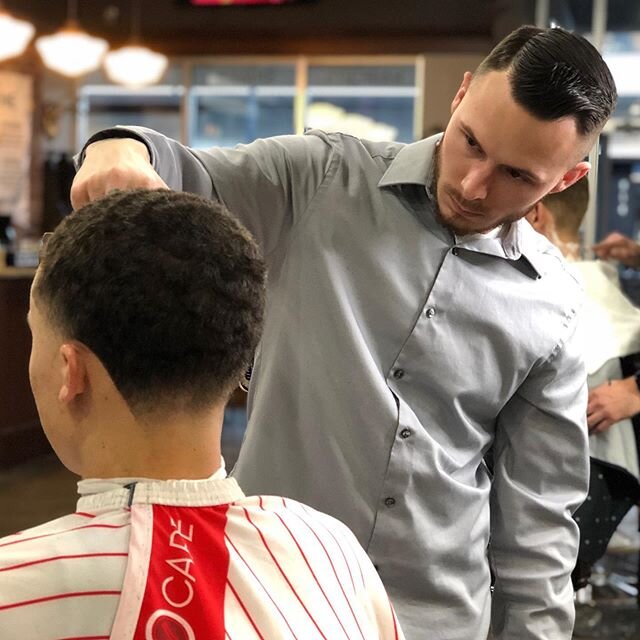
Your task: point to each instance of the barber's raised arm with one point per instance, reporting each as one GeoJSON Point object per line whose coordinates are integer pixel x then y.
{"type": "Point", "coordinates": [267, 184]}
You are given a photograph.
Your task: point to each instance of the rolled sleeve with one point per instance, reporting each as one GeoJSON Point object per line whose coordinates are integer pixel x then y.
{"type": "Point", "coordinates": [541, 477]}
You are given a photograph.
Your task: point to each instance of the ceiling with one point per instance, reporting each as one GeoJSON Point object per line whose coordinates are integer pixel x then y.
{"type": "Point", "coordinates": [391, 26]}
{"type": "Point", "coordinates": [317, 26]}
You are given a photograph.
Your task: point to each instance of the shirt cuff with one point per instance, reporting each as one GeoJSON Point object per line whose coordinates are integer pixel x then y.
{"type": "Point", "coordinates": [110, 134]}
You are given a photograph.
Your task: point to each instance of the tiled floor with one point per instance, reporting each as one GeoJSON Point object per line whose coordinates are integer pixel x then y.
{"type": "Point", "coordinates": [613, 612]}
{"type": "Point", "coordinates": [601, 622]}
{"type": "Point", "coordinates": [43, 489]}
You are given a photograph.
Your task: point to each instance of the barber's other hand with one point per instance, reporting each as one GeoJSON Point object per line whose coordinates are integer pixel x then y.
{"type": "Point", "coordinates": [120, 163]}
{"type": "Point", "coordinates": [618, 247]}
{"type": "Point", "coordinates": [611, 402]}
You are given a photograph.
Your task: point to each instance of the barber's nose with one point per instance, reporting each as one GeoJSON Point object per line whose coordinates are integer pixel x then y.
{"type": "Point", "coordinates": [475, 184]}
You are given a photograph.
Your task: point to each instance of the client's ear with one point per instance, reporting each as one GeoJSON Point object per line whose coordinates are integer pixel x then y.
{"type": "Point", "coordinates": [534, 217]}
{"type": "Point", "coordinates": [74, 372]}
{"type": "Point", "coordinates": [541, 219]}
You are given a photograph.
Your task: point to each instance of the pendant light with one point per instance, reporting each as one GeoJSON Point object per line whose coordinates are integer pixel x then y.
{"type": "Point", "coordinates": [71, 51]}
{"type": "Point", "coordinates": [134, 65]}
{"type": "Point", "coordinates": [14, 34]}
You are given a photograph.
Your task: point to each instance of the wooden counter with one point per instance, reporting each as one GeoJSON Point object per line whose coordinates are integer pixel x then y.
{"type": "Point", "coordinates": [16, 273]}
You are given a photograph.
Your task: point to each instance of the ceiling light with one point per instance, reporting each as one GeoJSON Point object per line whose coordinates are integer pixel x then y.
{"type": "Point", "coordinates": [71, 51]}
{"type": "Point", "coordinates": [134, 65]}
{"type": "Point", "coordinates": [14, 34]}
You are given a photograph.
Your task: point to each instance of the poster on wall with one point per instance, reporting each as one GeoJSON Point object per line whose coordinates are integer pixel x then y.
{"type": "Point", "coordinates": [16, 112]}
{"type": "Point", "coordinates": [209, 3]}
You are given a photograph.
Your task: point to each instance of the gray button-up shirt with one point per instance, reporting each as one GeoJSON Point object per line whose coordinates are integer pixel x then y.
{"type": "Point", "coordinates": [393, 356]}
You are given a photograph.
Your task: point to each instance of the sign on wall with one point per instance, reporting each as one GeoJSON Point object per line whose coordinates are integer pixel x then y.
{"type": "Point", "coordinates": [205, 3]}
{"type": "Point", "coordinates": [16, 114]}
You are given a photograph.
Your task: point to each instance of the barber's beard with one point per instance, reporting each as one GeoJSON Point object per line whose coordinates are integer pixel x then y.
{"type": "Point", "coordinates": [470, 206]}
{"type": "Point", "coordinates": [433, 188]}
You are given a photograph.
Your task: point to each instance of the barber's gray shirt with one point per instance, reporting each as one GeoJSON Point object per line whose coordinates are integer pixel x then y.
{"type": "Point", "coordinates": [393, 356]}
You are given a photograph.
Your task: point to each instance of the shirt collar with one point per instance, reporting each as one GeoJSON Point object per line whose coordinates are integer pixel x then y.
{"type": "Point", "coordinates": [98, 493]}
{"type": "Point", "coordinates": [413, 164]}
{"type": "Point", "coordinates": [516, 242]}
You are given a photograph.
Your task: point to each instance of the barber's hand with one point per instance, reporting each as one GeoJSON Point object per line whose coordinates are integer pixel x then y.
{"type": "Point", "coordinates": [611, 402]}
{"type": "Point", "coordinates": [618, 247]}
{"type": "Point", "coordinates": [120, 163]}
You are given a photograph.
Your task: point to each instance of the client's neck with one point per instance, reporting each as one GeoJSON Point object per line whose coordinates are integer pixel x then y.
{"type": "Point", "coordinates": [180, 445]}
{"type": "Point", "coordinates": [569, 245]}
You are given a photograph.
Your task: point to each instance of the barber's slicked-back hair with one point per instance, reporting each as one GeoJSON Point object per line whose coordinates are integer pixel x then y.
{"type": "Point", "coordinates": [166, 288]}
{"type": "Point", "coordinates": [568, 207]}
{"type": "Point", "coordinates": [555, 74]}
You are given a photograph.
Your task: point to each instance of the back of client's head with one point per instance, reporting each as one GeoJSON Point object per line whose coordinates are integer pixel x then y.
{"type": "Point", "coordinates": [165, 288]}
{"type": "Point", "coordinates": [568, 208]}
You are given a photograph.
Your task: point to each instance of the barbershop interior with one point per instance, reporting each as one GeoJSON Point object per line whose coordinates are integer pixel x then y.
{"type": "Point", "coordinates": [221, 73]}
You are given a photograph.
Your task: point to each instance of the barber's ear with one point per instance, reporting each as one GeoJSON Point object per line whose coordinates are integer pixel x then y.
{"type": "Point", "coordinates": [572, 176]}
{"type": "Point", "coordinates": [74, 372]}
{"type": "Point", "coordinates": [462, 91]}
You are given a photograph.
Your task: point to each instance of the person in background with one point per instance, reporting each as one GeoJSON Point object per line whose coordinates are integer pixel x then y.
{"type": "Point", "coordinates": [141, 329]}
{"type": "Point", "coordinates": [617, 246]}
{"type": "Point", "coordinates": [620, 399]}
{"type": "Point", "coordinates": [413, 321]}
{"type": "Point", "coordinates": [611, 326]}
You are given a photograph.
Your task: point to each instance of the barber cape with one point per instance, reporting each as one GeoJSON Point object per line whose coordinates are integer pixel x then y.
{"type": "Point", "coordinates": [611, 329]}
{"type": "Point", "coordinates": [178, 567]}
{"type": "Point", "coordinates": [189, 559]}
{"type": "Point", "coordinates": [232, 567]}
{"type": "Point", "coordinates": [610, 323]}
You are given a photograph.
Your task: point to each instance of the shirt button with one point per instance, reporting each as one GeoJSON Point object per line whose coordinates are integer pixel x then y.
{"type": "Point", "coordinates": [430, 312]}
{"type": "Point", "coordinates": [389, 502]}
{"type": "Point", "coordinates": [398, 374]}
{"type": "Point", "coordinates": [405, 433]}
{"type": "Point", "coordinates": [455, 251]}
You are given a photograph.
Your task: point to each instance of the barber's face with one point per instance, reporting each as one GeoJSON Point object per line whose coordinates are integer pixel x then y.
{"type": "Point", "coordinates": [496, 161]}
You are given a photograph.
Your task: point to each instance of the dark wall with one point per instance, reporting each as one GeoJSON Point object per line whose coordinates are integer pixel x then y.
{"type": "Point", "coordinates": [21, 436]}
{"type": "Point", "coordinates": [308, 26]}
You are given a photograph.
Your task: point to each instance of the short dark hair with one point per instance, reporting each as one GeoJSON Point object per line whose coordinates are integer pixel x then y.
{"type": "Point", "coordinates": [554, 74]}
{"type": "Point", "coordinates": [166, 288]}
{"type": "Point", "coordinates": [569, 206]}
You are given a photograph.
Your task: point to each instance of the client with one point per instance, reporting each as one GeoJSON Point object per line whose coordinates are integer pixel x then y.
{"type": "Point", "coordinates": [145, 311]}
